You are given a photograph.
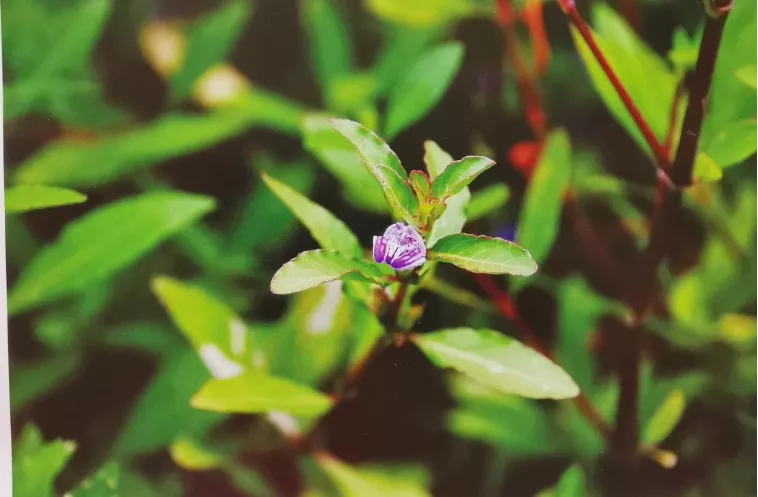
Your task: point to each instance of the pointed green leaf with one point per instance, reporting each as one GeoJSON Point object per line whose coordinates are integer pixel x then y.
{"type": "Point", "coordinates": [499, 362]}
{"type": "Point", "coordinates": [314, 267]}
{"type": "Point", "coordinates": [328, 42]}
{"type": "Point", "coordinates": [459, 174]}
{"type": "Point", "coordinates": [104, 483]}
{"type": "Point", "coordinates": [88, 164]}
{"type": "Point", "coordinates": [483, 254]}
{"type": "Point", "coordinates": [541, 213]}
{"type": "Point", "coordinates": [214, 330]}
{"type": "Point", "coordinates": [573, 483]}
{"type": "Point", "coordinates": [401, 199]}
{"type": "Point", "coordinates": [665, 418]}
{"type": "Point", "coordinates": [337, 154]}
{"type": "Point", "coordinates": [435, 158]}
{"type": "Point", "coordinates": [423, 85]}
{"type": "Point", "coordinates": [36, 463]}
{"type": "Point", "coordinates": [747, 76]}
{"type": "Point", "coordinates": [371, 149]}
{"type": "Point", "coordinates": [356, 482]}
{"type": "Point", "coordinates": [706, 170]}
{"type": "Point", "coordinates": [330, 232]}
{"type": "Point", "coordinates": [487, 200]}
{"type": "Point", "coordinates": [103, 242]}
{"type": "Point", "coordinates": [190, 454]}
{"type": "Point", "coordinates": [419, 181]}
{"type": "Point", "coordinates": [733, 143]}
{"type": "Point", "coordinates": [254, 393]}
{"type": "Point", "coordinates": [25, 198]}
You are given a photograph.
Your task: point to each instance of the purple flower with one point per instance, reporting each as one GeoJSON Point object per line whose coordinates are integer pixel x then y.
{"type": "Point", "coordinates": [401, 247]}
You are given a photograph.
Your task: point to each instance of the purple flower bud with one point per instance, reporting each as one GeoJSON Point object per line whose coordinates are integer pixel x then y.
{"type": "Point", "coordinates": [401, 247]}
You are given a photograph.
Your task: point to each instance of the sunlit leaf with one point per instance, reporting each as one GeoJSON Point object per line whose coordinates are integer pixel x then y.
{"type": "Point", "coordinates": [218, 335]}
{"type": "Point", "coordinates": [330, 233]}
{"type": "Point", "coordinates": [435, 158]}
{"type": "Point", "coordinates": [256, 393]}
{"type": "Point", "coordinates": [25, 198]}
{"type": "Point", "coordinates": [37, 463]}
{"type": "Point", "coordinates": [747, 76]}
{"type": "Point", "coordinates": [733, 143]}
{"type": "Point", "coordinates": [421, 13]}
{"type": "Point", "coordinates": [541, 213]}
{"type": "Point", "coordinates": [355, 482]}
{"type": "Point", "coordinates": [453, 218]}
{"type": "Point", "coordinates": [665, 418]}
{"type": "Point", "coordinates": [573, 483]}
{"type": "Point", "coordinates": [103, 242]}
{"type": "Point", "coordinates": [706, 169]}
{"type": "Point", "coordinates": [189, 454]}
{"type": "Point", "coordinates": [482, 254]}
{"type": "Point", "coordinates": [499, 362]}
{"type": "Point", "coordinates": [422, 86]}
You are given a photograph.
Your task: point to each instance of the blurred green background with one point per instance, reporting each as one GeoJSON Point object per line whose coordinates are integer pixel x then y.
{"type": "Point", "coordinates": [135, 135]}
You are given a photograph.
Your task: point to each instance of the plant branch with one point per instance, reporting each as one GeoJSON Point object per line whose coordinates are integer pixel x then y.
{"type": "Point", "coordinates": [662, 158]}
{"type": "Point", "coordinates": [664, 222]}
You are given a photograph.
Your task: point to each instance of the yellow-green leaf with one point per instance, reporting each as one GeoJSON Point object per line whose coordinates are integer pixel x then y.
{"type": "Point", "coordinates": [25, 198]}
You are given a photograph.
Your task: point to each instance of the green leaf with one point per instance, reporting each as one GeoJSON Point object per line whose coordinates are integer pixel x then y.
{"type": "Point", "coordinates": [105, 241]}
{"type": "Point", "coordinates": [420, 13]}
{"type": "Point", "coordinates": [330, 233]}
{"type": "Point", "coordinates": [104, 483]}
{"type": "Point", "coordinates": [747, 76]}
{"type": "Point", "coordinates": [254, 393]}
{"type": "Point", "coordinates": [214, 330]}
{"type": "Point", "coordinates": [573, 483]}
{"type": "Point", "coordinates": [355, 482]}
{"type": "Point", "coordinates": [163, 412]}
{"type": "Point", "coordinates": [459, 174]}
{"type": "Point", "coordinates": [436, 159]}
{"type": "Point", "coordinates": [30, 382]}
{"type": "Point", "coordinates": [733, 143]}
{"type": "Point", "coordinates": [209, 41]}
{"type": "Point", "coordinates": [499, 362]}
{"type": "Point", "coordinates": [541, 213]}
{"type": "Point", "coordinates": [402, 47]}
{"type": "Point", "coordinates": [315, 267]}
{"type": "Point", "coordinates": [384, 165]}
{"type": "Point", "coordinates": [189, 454]}
{"type": "Point", "coordinates": [422, 87]}
{"type": "Point", "coordinates": [665, 418]}
{"type": "Point", "coordinates": [483, 254]}
{"type": "Point", "coordinates": [706, 170]}
{"type": "Point", "coordinates": [90, 164]}
{"type": "Point", "coordinates": [36, 463]}
{"type": "Point", "coordinates": [487, 200]}
{"type": "Point", "coordinates": [636, 65]}
{"type": "Point", "coordinates": [512, 423]}
{"type": "Point", "coordinates": [24, 198]}
{"type": "Point", "coordinates": [337, 154]}
{"type": "Point", "coordinates": [328, 43]}
{"type": "Point", "coordinates": [453, 218]}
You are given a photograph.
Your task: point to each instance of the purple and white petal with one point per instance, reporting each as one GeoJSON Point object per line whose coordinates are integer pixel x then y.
{"type": "Point", "coordinates": [401, 247]}
{"type": "Point", "coordinates": [380, 249]}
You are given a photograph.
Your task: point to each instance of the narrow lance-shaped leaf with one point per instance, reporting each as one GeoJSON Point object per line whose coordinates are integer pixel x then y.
{"type": "Point", "coordinates": [315, 267]}
{"type": "Point", "coordinates": [499, 362]}
{"type": "Point", "coordinates": [665, 418]}
{"type": "Point", "coordinates": [482, 254]}
{"type": "Point", "coordinates": [330, 232]}
{"type": "Point", "coordinates": [423, 85]}
{"type": "Point", "coordinates": [540, 216]}
{"type": "Point", "coordinates": [357, 482]}
{"type": "Point", "coordinates": [254, 393]}
{"type": "Point", "coordinates": [103, 242]}
{"type": "Point", "coordinates": [25, 198]}
{"type": "Point", "coordinates": [435, 158]}
{"type": "Point", "coordinates": [459, 175]}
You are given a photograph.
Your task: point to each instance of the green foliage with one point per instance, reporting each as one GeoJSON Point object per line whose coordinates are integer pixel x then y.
{"type": "Point", "coordinates": [422, 87]}
{"type": "Point", "coordinates": [487, 200]}
{"type": "Point", "coordinates": [24, 198]}
{"type": "Point", "coordinates": [459, 174]}
{"type": "Point", "coordinates": [498, 362]}
{"type": "Point", "coordinates": [316, 267]}
{"type": "Point", "coordinates": [256, 392]}
{"type": "Point", "coordinates": [482, 254]}
{"type": "Point", "coordinates": [102, 243]}
{"type": "Point", "coordinates": [353, 482]}
{"type": "Point", "coordinates": [104, 483]}
{"type": "Point", "coordinates": [36, 463]}
{"type": "Point", "coordinates": [572, 484]}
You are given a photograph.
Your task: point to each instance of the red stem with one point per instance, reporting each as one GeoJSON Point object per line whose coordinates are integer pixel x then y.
{"type": "Point", "coordinates": [663, 162]}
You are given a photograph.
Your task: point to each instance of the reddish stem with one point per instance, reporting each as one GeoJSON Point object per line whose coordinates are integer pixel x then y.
{"type": "Point", "coordinates": [663, 162]}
